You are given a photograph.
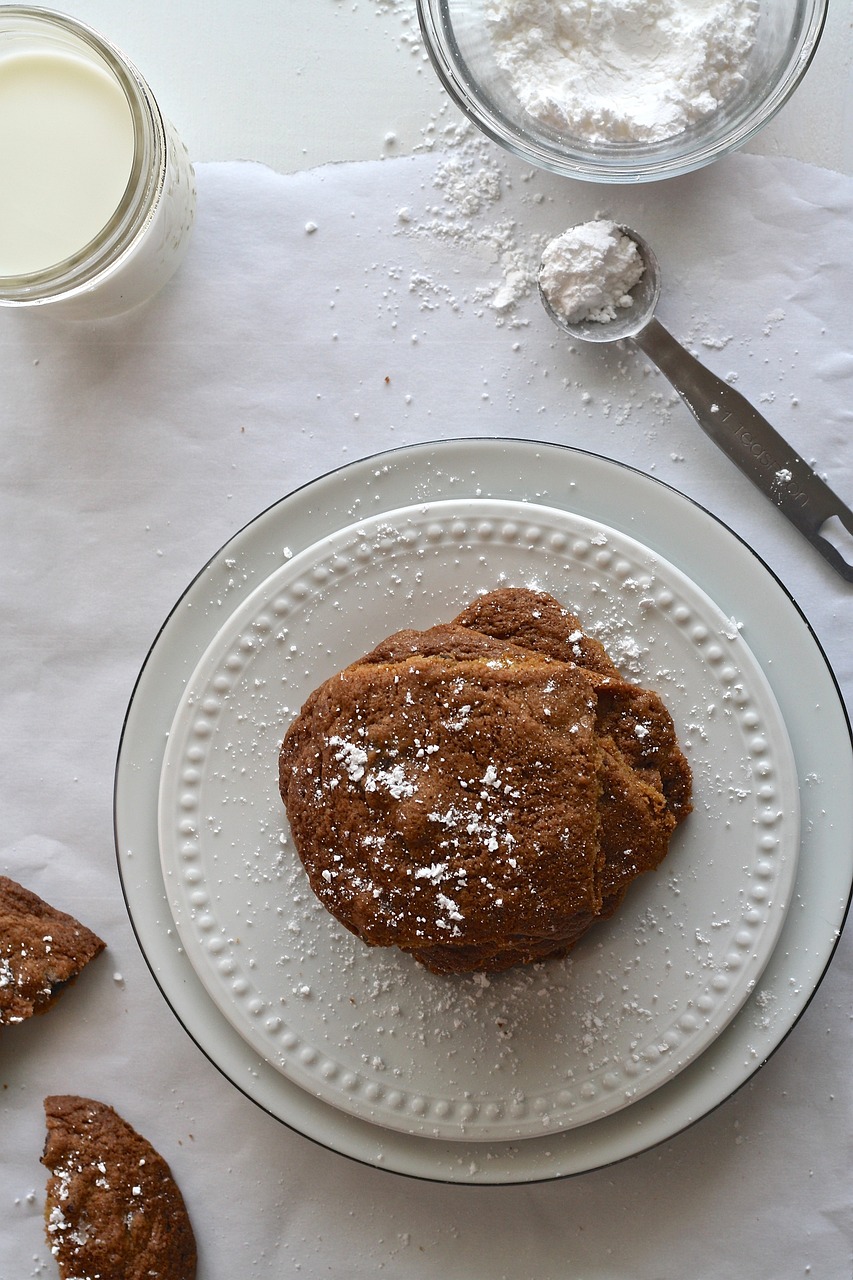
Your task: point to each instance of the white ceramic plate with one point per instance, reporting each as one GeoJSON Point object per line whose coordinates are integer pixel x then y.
{"type": "Point", "coordinates": [710, 555]}
{"type": "Point", "coordinates": [536, 1050]}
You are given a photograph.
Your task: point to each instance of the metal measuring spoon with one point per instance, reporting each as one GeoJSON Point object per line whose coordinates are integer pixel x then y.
{"type": "Point", "coordinates": [728, 418]}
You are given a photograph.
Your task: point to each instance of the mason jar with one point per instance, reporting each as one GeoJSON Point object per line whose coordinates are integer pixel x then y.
{"type": "Point", "coordinates": [97, 192]}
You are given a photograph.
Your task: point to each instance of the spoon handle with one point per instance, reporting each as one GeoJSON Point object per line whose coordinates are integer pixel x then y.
{"type": "Point", "coordinates": [752, 444]}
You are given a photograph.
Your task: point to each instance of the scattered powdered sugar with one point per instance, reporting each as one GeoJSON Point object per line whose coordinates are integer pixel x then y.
{"type": "Point", "coordinates": [59, 1229]}
{"type": "Point", "coordinates": [352, 756]}
{"type": "Point", "coordinates": [467, 182]}
{"type": "Point", "coordinates": [392, 780]}
{"type": "Point", "coordinates": [471, 179]}
{"type": "Point", "coordinates": [588, 272]}
{"type": "Point", "coordinates": [765, 1002]}
{"type": "Point", "coordinates": [610, 71]}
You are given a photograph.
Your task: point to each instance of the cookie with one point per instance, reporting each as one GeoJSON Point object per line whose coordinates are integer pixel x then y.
{"type": "Point", "coordinates": [42, 950]}
{"type": "Point", "coordinates": [113, 1210]}
{"type": "Point", "coordinates": [638, 811]}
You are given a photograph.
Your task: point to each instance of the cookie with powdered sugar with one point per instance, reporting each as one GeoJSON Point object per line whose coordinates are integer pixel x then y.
{"type": "Point", "coordinates": [430, 787]}
{"type": "Point", "coordinates": [113, 1209]}
{"type": "Point", "coordinates": [42, 950]}
{"type": "Point", "coordinates": [473, 793]}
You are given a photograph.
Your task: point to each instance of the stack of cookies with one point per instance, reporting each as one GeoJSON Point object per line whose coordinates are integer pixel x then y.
{"type": "Point", "coordinates": [480, 793]}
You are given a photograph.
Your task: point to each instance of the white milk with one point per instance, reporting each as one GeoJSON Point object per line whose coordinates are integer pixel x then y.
{"type": "Point", "coordinates": [66, 152]}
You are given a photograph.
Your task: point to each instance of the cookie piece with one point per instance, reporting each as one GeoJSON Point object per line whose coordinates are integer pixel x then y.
{"type": "Point", "coordinates": [113, 1210]}
{"type": "Point", "coordinates": [42, 950]}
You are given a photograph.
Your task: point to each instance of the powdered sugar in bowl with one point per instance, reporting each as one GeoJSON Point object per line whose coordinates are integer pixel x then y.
{"type": "Point", "coordinates": [621, 90]}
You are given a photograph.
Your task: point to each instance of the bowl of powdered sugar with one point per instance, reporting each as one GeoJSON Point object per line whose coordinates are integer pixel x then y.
{"type": "Point", "coordinates": [621, 90]}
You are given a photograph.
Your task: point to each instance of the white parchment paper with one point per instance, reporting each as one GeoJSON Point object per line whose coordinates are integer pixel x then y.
{"type": "Point", "coordinates": [317, 319]}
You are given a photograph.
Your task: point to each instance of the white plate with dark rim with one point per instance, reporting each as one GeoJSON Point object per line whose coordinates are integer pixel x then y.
{"type": "Point", "coordinates": [541, 1048]}
{"type": "Point", "coordinates": [723, 571]}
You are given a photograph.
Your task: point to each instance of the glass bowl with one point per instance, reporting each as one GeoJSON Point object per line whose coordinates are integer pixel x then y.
{"type": "Point", "coordinates": [458, 37]}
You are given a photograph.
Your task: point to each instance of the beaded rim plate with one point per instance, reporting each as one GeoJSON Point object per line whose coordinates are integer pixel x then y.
{"type": "Point", "coordinates": [538, 1050]}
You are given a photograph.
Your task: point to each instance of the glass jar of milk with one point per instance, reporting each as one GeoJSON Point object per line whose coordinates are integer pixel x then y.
{"type": "Point", "coordinates": [97, 193]}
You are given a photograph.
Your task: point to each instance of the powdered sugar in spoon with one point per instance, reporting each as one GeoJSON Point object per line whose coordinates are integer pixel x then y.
{"type": "Point", "coordinates": [724, 414]}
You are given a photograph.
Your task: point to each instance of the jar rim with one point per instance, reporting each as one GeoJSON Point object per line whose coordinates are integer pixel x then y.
{"type": "Point", "coordinates": [148, 168]}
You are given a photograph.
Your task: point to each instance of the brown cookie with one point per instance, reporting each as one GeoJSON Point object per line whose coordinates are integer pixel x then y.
{"type": "Point", "coordinates": [113, 1210]}
{"type": "Point", "coordinates": [646, 780]}
{"type": "Point", "coordinates": [42, 950]}
{"type": "Point", "coordinates": [443, 797]}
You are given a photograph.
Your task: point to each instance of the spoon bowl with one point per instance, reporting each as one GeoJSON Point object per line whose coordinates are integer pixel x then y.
{"type": "Point", "coordinates": [630, 320]}
{"type": "Point", "coordinates": [725, 415]}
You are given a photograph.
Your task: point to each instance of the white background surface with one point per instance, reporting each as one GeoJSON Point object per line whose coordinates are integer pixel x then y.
{"type": "Point", "coordinates": [131, 452]}
{"type": "Point", "coordinates": [297, 83]}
